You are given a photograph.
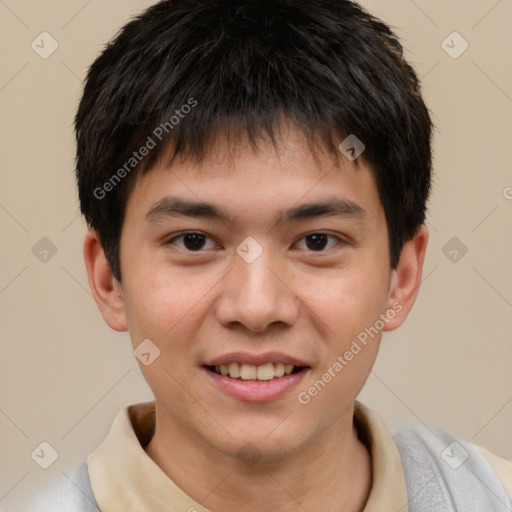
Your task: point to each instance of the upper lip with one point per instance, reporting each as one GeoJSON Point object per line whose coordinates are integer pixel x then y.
{"type": "Point", "coordinates": [255, 359]}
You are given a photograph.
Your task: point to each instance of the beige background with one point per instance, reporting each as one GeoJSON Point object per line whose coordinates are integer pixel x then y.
{"type": "Point", "coordinates": [65, 374]}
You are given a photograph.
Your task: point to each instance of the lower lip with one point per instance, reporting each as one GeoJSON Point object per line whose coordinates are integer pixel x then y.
{"type": "Point", "coordinates": [256, 390]}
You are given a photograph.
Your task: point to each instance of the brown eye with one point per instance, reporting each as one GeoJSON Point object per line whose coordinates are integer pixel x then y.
{"type": "Point", "coordinates": [318, 241]}
{"type": "Point", "coordinates": [191, 241]}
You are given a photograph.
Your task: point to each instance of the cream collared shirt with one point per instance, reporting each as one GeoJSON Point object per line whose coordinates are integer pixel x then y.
{"type": "Point", "coordinates": [124, 478]}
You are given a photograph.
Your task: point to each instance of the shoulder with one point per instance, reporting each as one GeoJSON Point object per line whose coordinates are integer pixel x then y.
{"type": "Point", "coordinates": [438, 463]}
{"type": "Point", "coordinates": [502, 467]}
{"type": "Point", "coordinates": [68, 492]}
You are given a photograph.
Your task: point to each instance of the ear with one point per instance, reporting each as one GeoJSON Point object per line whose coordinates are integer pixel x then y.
{"type": "Point", "coordinates": [107, 291]}
{"type": "Point", "coordinates": [406, 279]}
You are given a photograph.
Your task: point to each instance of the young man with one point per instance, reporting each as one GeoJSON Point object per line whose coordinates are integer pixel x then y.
{"type": "Point", "coordinates": [255, 177]}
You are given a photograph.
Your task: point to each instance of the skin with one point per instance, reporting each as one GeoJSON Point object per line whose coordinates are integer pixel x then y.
{"type": "Point", "coordinates": [197, 305]}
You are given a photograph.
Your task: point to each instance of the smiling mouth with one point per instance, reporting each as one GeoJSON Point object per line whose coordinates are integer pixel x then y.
{"type": "Point", "coordinates": [265, 372]}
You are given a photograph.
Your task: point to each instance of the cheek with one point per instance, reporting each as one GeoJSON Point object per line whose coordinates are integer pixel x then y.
{"type": "Point", "coordinates": [353, 305]}
{"type": "Point", "coordinates": [346, 302]}
{"type": "Point", "coordinates": [168, 310]}
{"type": "Point", "coordinates": [164, 304]}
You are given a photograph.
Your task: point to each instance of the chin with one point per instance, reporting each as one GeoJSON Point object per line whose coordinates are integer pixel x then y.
{"type": "Point", "coordinates": [264, 441]}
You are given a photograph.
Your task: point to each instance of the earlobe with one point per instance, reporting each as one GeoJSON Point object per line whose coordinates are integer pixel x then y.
{"type": "Point", "coordinates": [105, 288]}
{"type": "Point", "coordinates": [406, 278]}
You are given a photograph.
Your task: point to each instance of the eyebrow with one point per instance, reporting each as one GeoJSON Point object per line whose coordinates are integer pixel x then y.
{"type": "Point", "coordinates": [175, 206]}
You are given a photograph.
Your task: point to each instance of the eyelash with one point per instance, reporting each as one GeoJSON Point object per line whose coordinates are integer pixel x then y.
{"type": "Point", "coordinates": [180, 235]}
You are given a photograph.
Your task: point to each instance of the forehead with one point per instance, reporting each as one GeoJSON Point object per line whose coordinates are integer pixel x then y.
{"type": "Point", "coordinates": [279, 182]}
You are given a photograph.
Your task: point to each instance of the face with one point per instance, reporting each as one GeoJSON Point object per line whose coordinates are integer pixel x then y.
{"type": "Point", "coordinates": [259, 283]}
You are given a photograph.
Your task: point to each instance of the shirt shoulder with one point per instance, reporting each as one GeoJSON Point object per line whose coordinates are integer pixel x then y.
{"type": "Point", "coordinates": [68, 492]}
{"type": "Point", "coordinates": [442, 468]}
{"type": "Point", "coordinates": [502, 467]}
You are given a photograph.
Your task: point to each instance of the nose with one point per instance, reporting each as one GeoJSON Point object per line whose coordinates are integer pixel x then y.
{"type": "Point", "coordinates": [257, 295]}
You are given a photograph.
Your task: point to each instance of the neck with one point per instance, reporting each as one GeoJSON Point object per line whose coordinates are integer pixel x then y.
{"type": "Point", "coordinates": [332, 473]}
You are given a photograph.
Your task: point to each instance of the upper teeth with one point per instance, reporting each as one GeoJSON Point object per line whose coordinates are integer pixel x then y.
{"type": "Point", "coordinates": [250, 371]}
